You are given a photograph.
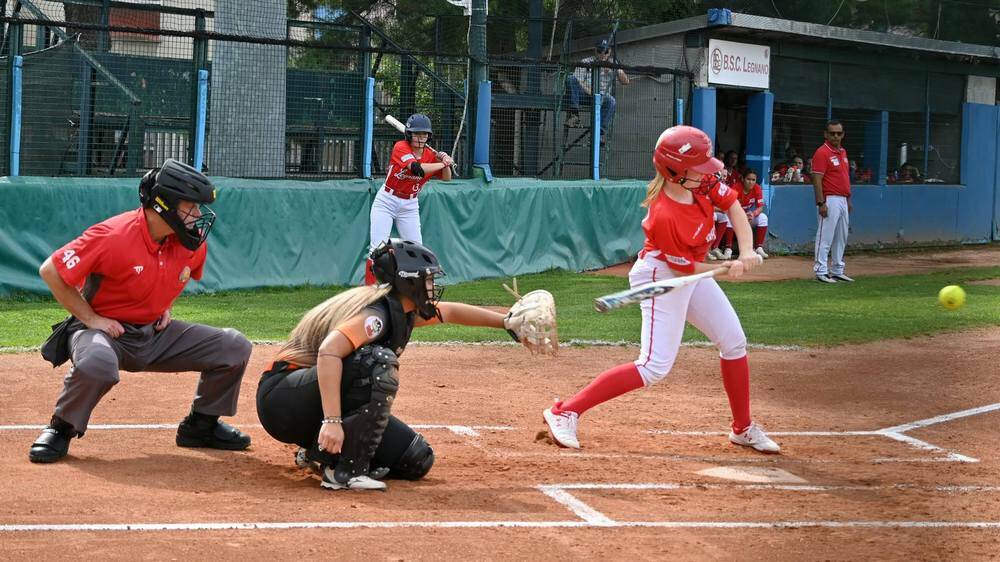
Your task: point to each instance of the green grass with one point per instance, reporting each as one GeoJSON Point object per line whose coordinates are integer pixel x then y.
{"type": "Point", "coordinates": [796, 312]}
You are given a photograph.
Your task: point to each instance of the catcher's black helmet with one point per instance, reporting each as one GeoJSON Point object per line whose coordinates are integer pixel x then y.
{"type": "Point", "coordinates": [161, 189]}
{"type": "Point", "coordinates": [418, 123]}
{"type": "Point", "coordinates": [407, 266]}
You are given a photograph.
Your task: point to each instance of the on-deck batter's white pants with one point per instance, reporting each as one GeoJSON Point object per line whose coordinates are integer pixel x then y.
{"type": "Point", "coordinates": [703, 304]}
{"type": "Point", "coordinates": [831, 235]}
{"type": "Point", "coordinates": [388, 208]}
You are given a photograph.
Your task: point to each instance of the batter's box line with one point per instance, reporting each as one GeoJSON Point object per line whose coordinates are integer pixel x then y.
{"type": "Point", "coordinates": [463, 430]}
{"type": "Point", "coordinates": [592, 517]}
{"type": "Point", "coordinates": [896, 433]}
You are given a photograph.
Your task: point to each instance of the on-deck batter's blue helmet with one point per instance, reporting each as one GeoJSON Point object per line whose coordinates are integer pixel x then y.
{"type": "Point", "coordinates": [602, 46]}
{"type": "Point", "coordinates": [418, 123]}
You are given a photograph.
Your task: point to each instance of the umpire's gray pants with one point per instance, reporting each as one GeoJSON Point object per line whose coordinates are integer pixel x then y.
{"type": "Point", "coordinates": [220, 354]}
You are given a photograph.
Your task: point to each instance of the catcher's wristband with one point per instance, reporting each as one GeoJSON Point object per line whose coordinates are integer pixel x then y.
{"type": "Point", "coordinates": [512, 333]}
{"type": "Point", "coordinates": [332, 419]}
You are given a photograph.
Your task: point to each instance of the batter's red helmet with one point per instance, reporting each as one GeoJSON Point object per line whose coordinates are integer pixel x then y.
{"type": "Point", "coordinates": [684, 148]}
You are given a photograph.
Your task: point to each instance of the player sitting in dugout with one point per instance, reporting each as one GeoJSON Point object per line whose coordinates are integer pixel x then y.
{"type": "Point", "coordinates": [331, 387]}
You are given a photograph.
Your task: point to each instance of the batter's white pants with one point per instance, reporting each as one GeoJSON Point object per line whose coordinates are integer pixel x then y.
{"type": "Point", "coordinates": [388, 208]}
{"type": "Point", "coordinates": [703, 304]}
{"type": "Point", "coordinates": [831, 235]}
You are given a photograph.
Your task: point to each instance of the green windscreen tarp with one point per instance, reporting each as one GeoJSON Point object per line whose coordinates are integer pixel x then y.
{"type": "Point", "coordinates": [287, 233]}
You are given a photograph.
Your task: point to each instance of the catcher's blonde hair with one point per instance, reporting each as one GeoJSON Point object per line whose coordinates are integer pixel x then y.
{"type": "Point", "coordinates": [304, 341]}
{"type": "Point", "coordinates": [653, 190]}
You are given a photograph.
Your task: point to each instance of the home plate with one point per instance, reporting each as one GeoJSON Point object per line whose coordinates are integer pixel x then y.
{"type": "Point", "coordinates": [760, 474]}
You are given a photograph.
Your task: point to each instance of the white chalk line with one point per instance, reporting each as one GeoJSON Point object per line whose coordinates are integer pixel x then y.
{"type": "Point", "coordinates": [123, 527]}
{"type": "Point", "coordinates": [464, 430]}
{"type": "Point", "coordinates": [951, 488]}
{"type": "Point", "coordinates": [896, 433]}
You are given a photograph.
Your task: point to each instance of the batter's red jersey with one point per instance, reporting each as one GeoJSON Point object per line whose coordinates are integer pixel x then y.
{"type": "Point", "coordinates": [140, 279]}
{"type": "Point", "coordinates": [833, 164]}
{"type": "Point", "coordinates": [681, 233]}
{"type": "Point", "coordinates": [399, 178]}
{"type": "Point", "coordinates": [752, 199]}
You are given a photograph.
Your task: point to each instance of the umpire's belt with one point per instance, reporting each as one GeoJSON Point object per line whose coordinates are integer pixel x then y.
{"type": "Point", "coordinates": [400, 195]}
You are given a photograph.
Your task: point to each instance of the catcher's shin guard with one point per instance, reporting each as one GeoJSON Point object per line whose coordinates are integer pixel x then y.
{"type": "Point", "coordinates": [363, 428]}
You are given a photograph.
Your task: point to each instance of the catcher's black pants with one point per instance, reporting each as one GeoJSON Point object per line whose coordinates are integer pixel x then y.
{"type": "Point", "coordinates": [291, 411]}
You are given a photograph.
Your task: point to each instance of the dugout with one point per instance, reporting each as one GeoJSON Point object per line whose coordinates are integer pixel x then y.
{"type": "Point", "coordinates": [765, 87]}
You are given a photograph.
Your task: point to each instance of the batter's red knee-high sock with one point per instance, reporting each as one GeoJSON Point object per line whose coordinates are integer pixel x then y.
{"type": "Point", "coordinates": [727, 238]}
{"type": "Point", "coordinates": [609, 384]}
{"type": "Point", "coordinates": [369, 276]}
{"type": "Point", "coordinates": [736, 380]}
{"type": "Point", "coordinates": [761, 236]}
{"type": "Point", "coordinates": [720, 229]}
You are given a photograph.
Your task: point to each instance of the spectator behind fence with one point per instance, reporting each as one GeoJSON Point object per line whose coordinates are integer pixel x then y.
{"type": "Point", "coordinates": [578, 84]}
{"type": "Point", "coordinates": [832, 185]}
{"type": "Point", "coordinates": [792, 171]}
{"type": "Point", "coordinates": [731, 173]}
{"type": "Point", "coordinates": [908, 173]}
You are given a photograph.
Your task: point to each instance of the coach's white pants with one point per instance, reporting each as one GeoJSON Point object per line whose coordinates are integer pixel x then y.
{"type": "Point", "coordinates": [831, 235]}
{"type": "Point", "coordinates": [388, 208]}
{"type": "Point", "coordinates": [703, 304]}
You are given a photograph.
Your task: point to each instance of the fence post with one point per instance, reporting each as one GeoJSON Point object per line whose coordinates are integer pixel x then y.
{"type": "Point", "coordinates": [369, 127]}
{"type": "Point", "coordinates": [595, 157]}
{"type": "Point", "coordinates": [199, 58]}
{"type": "Point", "coordinates": [365, 65]}
{"type": "Point", "coordinates": [481, 150]}
{"type": "Point", "coordinates": [199, 125]}
{"type": "Point", "coordinates": [15, 117]}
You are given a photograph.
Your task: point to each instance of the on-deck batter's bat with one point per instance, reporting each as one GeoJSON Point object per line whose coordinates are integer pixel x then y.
{"type": "Point", "coordinates": [650, 290]}
{"type": "Point", "coordinates": [402, 129]}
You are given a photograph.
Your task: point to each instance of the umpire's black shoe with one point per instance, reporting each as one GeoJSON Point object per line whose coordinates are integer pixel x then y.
{"type": "Point", "coordinates": [53, 443]}
{"type": "Point", "coordinates": [220, 435]}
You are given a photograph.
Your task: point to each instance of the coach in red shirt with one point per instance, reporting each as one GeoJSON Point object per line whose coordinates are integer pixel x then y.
{"type": "Point", "coordinates": [118, 281]}
{"type": "Point", "coordinates": [832, 184]}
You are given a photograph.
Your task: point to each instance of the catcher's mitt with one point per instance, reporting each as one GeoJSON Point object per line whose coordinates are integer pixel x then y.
{"type": "Point", "coordinates": [532, 320]}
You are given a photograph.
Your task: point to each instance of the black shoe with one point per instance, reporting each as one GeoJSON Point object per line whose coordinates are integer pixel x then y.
{"type": "Point", "coordinates": [53, 443]}
{"type": "Point", "coordinates": [221, 435]}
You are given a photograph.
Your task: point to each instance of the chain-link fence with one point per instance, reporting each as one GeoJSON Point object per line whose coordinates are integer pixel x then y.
{"type": "Point", "coordinates": [115, 88]}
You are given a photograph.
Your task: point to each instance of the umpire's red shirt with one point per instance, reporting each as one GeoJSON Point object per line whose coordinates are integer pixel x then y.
{"type": "Point", "coordinates": [139, 277]}
{"type": "Point", "coordinates": [833, 164]}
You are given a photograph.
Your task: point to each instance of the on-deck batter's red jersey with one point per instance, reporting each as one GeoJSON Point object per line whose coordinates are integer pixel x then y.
{"type": "Point", "coordinates": [750, 201]}
{"type": "Point", "coordinates": [681, 233]}
{"type": "Point", "coordinates": [835, 168]}
{"type": "Point", "coordinates": [140, 279]}
{"type": "Point", "coordinates": [399, 178]}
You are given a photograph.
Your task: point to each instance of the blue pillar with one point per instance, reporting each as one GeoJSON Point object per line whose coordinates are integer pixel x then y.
{"type": "Point", "coordinates": [876, 146]}
{"type": "Point", "coordinates": [15, 117]}
{"type": "Point", "coordinates": [760, 110]}
{"type": "Point", "coordinates": [595, 137]}
{"type": "Point", "coordinates": [199, 126]}
{"type": "Point", "coordinates": [703, 111]}
{"type": "Point", "coordinates": [481, 148]}
{"type": "Point", "coordinates": [369, 127]}
{"type": "Point", "coordinates": [679, 111]}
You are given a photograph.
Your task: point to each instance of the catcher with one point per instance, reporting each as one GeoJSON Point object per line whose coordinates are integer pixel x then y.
{"type": "Point", "coordinates": [331, 387]}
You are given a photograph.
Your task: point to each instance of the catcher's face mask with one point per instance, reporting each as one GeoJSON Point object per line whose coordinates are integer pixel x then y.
{"type": "Point", "coordinates": [428, 298]}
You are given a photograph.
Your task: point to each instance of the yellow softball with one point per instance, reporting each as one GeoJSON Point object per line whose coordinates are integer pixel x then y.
{"type": "Point", "coordinates": [951, 297]}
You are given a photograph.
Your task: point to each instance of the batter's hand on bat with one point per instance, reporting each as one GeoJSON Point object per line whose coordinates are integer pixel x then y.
{"type": "Point", "coordinates": [445, 159]}
{"type": "Point", "coordinates": [163, 322]}
{"type": "Point", "coordinates": [750, 260]}
{"type": "Point", "coordinates": [110, 327]}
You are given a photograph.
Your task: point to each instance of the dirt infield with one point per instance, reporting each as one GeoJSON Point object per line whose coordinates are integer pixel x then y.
{"type": "Point", "coordinates": [889, 453]}
{"type": "Point", "coordinates": [777, 268]}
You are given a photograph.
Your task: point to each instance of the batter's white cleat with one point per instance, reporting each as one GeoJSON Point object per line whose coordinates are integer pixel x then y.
{"type": "Point", "coordinates": [728, 254]}
{"type": "Point", "coordinates": [710, 256]}
{"type": "Point", "coordinates": [755, 438]}
{"type": "Point", "coordinates": [760, 252]}
{"type": "Point", "coordinates": [363, 482]}
{"type": "Point", "coordinates": [562, 428]}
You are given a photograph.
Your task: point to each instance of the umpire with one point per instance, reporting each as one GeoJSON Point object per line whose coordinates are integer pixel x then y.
{"type": "Point", "coordinates": [131, 268]}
